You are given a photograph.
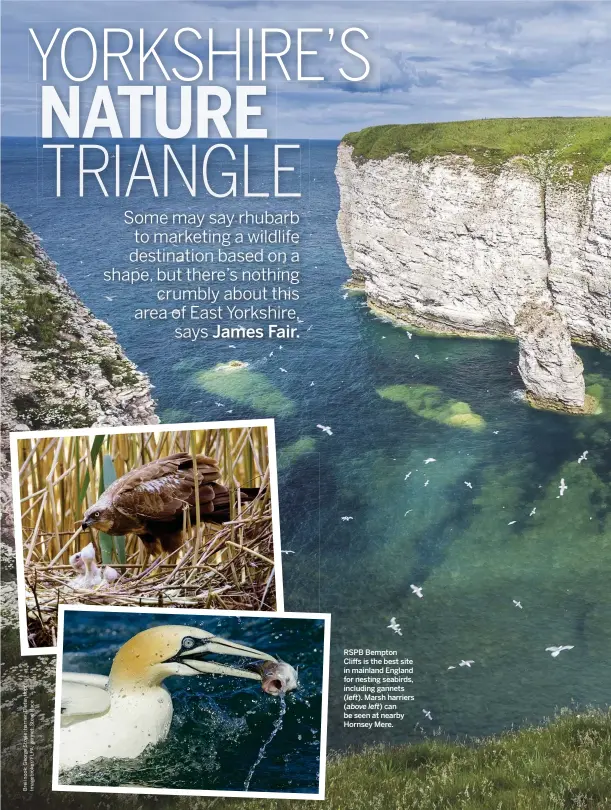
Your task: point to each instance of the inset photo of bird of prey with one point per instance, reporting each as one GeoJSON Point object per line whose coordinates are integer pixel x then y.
{"type": "Point", "coordinates": [191, 702]}
{"type": "Point", "coordinates": [182, 516]}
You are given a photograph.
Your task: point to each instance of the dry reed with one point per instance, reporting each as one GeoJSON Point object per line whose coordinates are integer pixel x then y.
{"type": "Point", "coordinates": [223, 567]}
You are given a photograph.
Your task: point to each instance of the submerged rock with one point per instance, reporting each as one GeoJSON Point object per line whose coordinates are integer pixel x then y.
{"type": "Point", "coordinates": [428, 402]}
{"type": "Point", "coordinates": [551, 369]}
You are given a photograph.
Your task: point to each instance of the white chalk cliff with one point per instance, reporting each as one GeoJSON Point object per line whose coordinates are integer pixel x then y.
{"type": "Point", "coordinates": [449, 246]}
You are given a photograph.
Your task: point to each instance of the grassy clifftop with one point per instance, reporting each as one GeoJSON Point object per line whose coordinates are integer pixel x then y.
{"type": "Point", "coordinates": [583, 145]}
{"type": "Point", "coordinates": [566, 764]}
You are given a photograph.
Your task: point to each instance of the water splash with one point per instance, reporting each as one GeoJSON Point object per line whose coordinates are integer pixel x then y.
{"type": "Point", "coordinates": [277, 726]}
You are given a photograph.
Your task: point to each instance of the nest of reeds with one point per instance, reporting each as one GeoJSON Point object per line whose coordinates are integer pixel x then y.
{"type": "Point", "coordinates": [226, 567]}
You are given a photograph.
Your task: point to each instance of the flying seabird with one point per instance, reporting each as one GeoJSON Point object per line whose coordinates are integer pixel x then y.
{"type": "Point", "coordinates": [517, 604]}
{"type": "Point", "coordinates": [562, 487]}
{"type": "Point", "coordinates": [429, 460]}
{"type": "Point", "coordinates": [555, 651]}
{"type": "Point", "coordinates": [511, 522]}
{"type": "Point", "coordinates": [417, 590]}
{"type": "Point", "coordinates": [394, 625]}
{"type": "Point", "coordinates": [409, 334]}
{"type": "Point", "coordinates": [417, 356]}
{"type": "Point", "coordinates": [426, 483]}
{"type": "Point", "coordinates": [408, 475]}
{"type": "Point", "coordinates": [346, 518]}
{"type": "Point", "coordinates": [532, 511]}
{"type": "Point", "coordinates": [465, 663]}
{"type": "Point", "coordinates": [119, 715]}
{"type": "Point", "coordinates": [583, 456]}
{"type": "Point", "coordinates": [468, 484]}
{"type": "Point", "coordinates": [283, 370]}
{"type": "Point", "coordinates": [110, 297]}
{"type": "Point", "coordinates": [427, 714]}
{"type": "Point", "coordinates": [312, 383]}
{"type": "Point", "coordinates": [325, 429]}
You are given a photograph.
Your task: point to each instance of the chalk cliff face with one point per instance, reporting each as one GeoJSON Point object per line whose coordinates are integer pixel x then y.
{"type": "Point", "coordinates": [449, 246]}
{"type": "Point", "coordinates": [61, 366]}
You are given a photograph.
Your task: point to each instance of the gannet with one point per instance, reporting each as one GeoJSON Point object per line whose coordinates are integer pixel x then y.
{"type": "Point", "coordinates": [517, 604]}
{"type": "Point", "coordinates": [325, 429]}
{"type": "Point", "coordinates": [464, 663]}
{"type": "Point", "coordinates": [346, 518]}
{"type": "Point", "coordinates": [427, 714]}
{"type": "Point", "coordinates": [283, 370]}
{"type": "Point", "coordinates": [429, 460]}
{"type": "Point", "coordinates": [417, 590]}
{"type": "Point", "coordinates": [562, 487]}
{"type": "Point", "coordinates": [120, 715]}
{"type": "Point", "coordinates": [583, 456]}
{"type": "Point", "coordinates": [468, 484]}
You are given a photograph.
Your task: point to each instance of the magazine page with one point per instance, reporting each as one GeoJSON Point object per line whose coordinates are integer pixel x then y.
{"type": "Point", "coordinates": [306, 413]}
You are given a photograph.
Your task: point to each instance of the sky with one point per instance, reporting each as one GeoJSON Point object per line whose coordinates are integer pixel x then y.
{"type": "Point", "coordinates": [430, 61]}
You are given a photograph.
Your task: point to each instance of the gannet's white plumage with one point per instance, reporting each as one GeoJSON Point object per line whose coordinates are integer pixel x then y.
{"type": "Point", "coordinates": [120, 715]}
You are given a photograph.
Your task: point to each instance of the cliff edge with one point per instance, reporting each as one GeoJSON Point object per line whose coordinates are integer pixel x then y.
{"type": "Point", "coordinates": [469, 228]}
{"type": "Point", "coordinates": [61, 367]}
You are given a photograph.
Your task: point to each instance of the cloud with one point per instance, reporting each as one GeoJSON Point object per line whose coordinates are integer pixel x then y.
{"type": "Point", "coordinates": [431, 61]}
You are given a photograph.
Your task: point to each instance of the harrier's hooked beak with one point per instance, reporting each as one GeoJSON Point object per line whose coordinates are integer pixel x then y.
{"type": "Point", "coordinates": [199, 658]}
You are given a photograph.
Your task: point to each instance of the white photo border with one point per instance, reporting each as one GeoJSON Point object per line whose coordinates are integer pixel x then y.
{"type": "Point", "coordinates": [235, 794]}
{"type": "Point", "coordinates": [108, 430]}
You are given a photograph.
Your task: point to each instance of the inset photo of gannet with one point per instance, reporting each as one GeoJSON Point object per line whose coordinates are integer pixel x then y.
{"type": "Point", "coordinates": [191, 702]}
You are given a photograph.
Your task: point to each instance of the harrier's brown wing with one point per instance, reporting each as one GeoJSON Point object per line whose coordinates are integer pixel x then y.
{"type": "Point", "coordinates": [160, 490]}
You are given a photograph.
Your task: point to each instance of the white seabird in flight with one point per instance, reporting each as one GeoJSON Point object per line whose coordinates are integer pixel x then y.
{"type": "Point", "coordinates": [468, 484]}
{"type": "Point", "coordinates": [555, 651]}
{"type": "Point", "coordinates": [427, 714]}
{"type": "Point", "coordinates": [583, 456]}
{"type": "Point", "coordinates": [429, 460]}
{"type": "Point", "coordinates": [325, 429]}
{"type": "Point", "coordinates": [394, 625]}
{"type": "Point", "coordinates": [464, 663]}
{"type": "Point", "coordinates": [417, 590]}
{"type": "Point", "coordinates": [119, 715]}
{"type": "Point", "coordinates": [517, 604]}
{"type": "Point", "coordinates": [533, 511]}
{"type": "Point", "coordinates": [562, 487]}
{"type": "Point", "coordinates": [346, 518]}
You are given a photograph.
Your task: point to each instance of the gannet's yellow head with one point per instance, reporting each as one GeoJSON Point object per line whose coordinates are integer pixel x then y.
{"type": "Point", "coordinates": [159, 652]}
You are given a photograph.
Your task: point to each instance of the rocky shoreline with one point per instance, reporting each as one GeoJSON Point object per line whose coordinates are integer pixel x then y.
{"type": "Point", "coordinates": [451, 248]}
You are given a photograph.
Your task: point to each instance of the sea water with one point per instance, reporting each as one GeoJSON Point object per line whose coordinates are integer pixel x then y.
{"type": "Point", "coordinates": [473, 550]}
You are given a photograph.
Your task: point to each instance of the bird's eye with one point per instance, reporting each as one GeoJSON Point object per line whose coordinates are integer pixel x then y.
{"type": "Point", "coordinates": [96, 514]}
{"type": "Point", "coordinates": [188, 643]}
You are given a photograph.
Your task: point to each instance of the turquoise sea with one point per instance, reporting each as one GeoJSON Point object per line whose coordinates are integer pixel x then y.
{"type": "Point", "coordinates": [473, 549]}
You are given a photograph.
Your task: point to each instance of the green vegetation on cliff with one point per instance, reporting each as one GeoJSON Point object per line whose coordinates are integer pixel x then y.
{"type": "Point", "coordinates": [566, 764]}
{"type": "Point", "coordinates": [577, 147]}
